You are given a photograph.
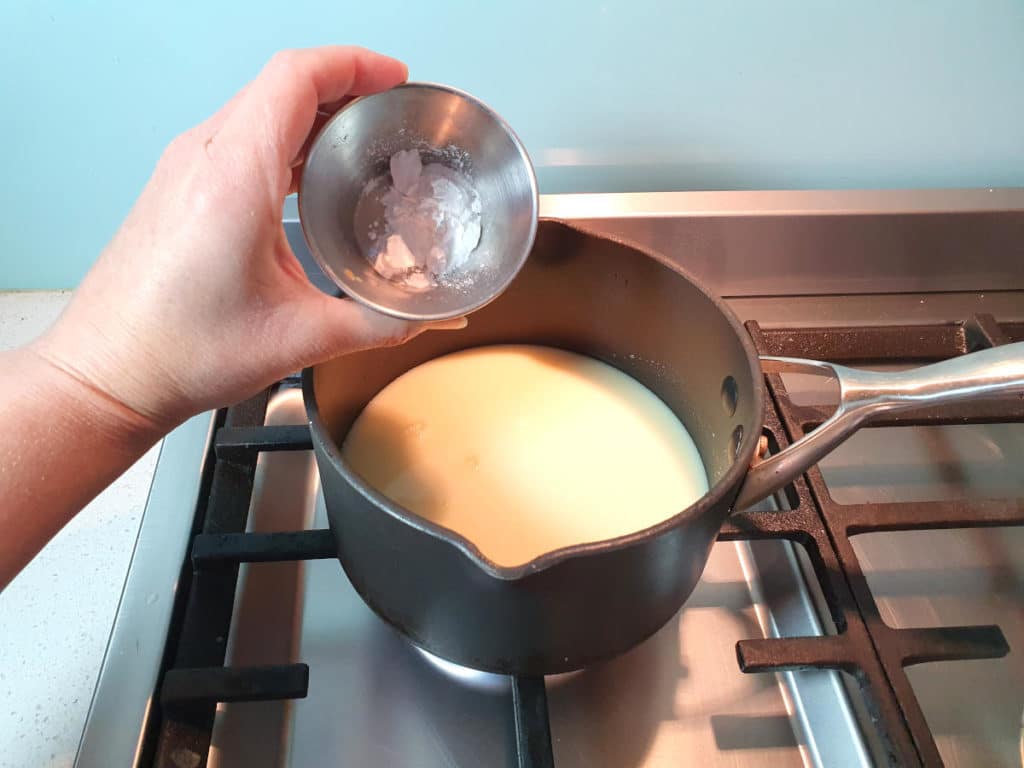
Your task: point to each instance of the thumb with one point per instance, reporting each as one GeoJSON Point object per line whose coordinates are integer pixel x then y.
{"type": "Point", "coordinates": [342, 326]}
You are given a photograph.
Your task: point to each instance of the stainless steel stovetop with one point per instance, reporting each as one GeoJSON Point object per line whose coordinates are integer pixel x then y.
{"type": "Point", "coordinates": [785, 260]}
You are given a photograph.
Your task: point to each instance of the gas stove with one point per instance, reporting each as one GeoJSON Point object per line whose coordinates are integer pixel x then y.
{"type": "Point", "coordinates": [871, 614]}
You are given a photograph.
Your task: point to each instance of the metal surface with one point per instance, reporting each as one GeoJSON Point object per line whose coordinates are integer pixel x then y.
{"type": "Point", "coordinates": [446, 126]}
{"type": "Point", "coordinates": [866, 395]}
{"type": "Point", "coordinates": [679, 695]}
{"type": "Point", "coordinates": [121, 704]}
{"type": "Point", "coordinates": [813, 243]}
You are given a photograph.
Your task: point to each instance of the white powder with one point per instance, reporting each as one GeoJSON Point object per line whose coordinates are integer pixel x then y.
{"type": "Point", "coordinates": [431, 222]}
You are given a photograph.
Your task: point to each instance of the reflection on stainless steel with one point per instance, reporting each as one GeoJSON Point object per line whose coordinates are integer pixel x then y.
{"type": "Point", "coordinates": [268, 601]}
{"type": "Point", "coordinates": [952, 461]}
{"type": "Point", "coordinates": [121, 703]}
{"type": "Point", "coordinates": [864, 394]}
{"type": "Point", "coordinates": [894, 309]}
{"type": "Point", "coordinates": [949, 578]}
{"type": "Point", "coordinates": [474, 678]}
{"type": "Point", "coordinates": [836, 202]}
{"type": "Point", "coordinates": [783, 243]}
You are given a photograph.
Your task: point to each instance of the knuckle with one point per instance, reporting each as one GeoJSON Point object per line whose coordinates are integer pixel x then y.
{"type": "Point", "coordinates": [284, 62]}
{"type": "Point", "coordinates": [177, 146]}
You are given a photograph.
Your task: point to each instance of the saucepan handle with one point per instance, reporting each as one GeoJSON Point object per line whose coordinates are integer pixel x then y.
{"type": "Point", "coordinates": [864, 395]}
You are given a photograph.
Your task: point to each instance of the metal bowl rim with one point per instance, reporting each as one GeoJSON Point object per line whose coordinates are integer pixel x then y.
{"type": "Point", "coordinates": [351, 288]}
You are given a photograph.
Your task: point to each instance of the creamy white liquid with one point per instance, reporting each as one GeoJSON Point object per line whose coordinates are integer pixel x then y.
{"type": "Point", "coordinates": [525, 449]}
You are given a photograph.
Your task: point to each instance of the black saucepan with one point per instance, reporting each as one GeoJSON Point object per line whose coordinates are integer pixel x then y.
{"type": "Point", "coordinates": [576, 606]}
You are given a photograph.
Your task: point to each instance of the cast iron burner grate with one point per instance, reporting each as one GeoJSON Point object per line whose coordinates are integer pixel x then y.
{"type": "Point", "coordinates": [875, 654]}
{"type": "Point", "coordinates": [865, 646]}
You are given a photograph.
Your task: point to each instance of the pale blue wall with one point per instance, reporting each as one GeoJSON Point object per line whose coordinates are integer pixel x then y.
{"type": "Point", "coordinates": [617, 95]}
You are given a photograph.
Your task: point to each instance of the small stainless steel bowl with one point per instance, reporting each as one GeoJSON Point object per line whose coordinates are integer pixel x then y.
{"type": "Point", "coordinates": [447, 126]}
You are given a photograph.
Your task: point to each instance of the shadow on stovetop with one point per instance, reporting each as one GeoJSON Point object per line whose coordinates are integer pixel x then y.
{"type": "Point", "coordinates": [671, 697]}
{"type": "Point", "coordinates": [746, 732]}
{"type": "Point", "coordinates": [609, 714]}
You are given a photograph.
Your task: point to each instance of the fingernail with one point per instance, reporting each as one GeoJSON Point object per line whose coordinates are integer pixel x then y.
{"type": "Point", "coordinates": [455, 324]}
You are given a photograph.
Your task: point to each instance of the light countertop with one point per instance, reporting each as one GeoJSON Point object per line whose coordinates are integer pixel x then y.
{"type": "Point", "coordinates": [56, 616]}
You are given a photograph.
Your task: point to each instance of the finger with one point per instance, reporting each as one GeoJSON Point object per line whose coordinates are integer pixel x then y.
{"type": "Point", "coordinates": [341, 326]}
{"type": "Point", "coordinates": [214, 122]}
{"type": "Point", "coordinates": [283, 99]}
{"type": "Point", "coordinates": [455, 324]}
{"type": "Point", "coordinates": [324, 113]}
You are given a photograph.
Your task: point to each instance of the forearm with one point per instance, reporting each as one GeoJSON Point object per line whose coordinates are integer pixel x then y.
{"type": "Point", "coordinates": [63, 442]}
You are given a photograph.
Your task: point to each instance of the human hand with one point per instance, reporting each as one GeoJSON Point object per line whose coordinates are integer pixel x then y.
{"type": "Point", "coordinates": [198, 301]}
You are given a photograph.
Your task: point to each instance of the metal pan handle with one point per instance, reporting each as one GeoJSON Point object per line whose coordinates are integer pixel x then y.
{"type": "Point", "coordinates": [863, 395]}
